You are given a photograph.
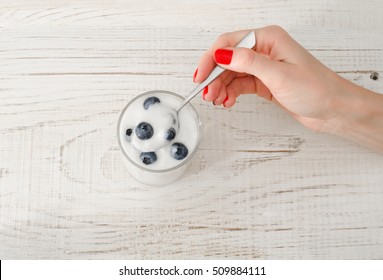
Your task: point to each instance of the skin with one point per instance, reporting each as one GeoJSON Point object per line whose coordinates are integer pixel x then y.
{"type": "Point", "coordinates": [283, 72]}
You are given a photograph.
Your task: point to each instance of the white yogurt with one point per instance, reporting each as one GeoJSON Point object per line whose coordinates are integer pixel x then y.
{"type": "Point", "coordinates": [161, 117]}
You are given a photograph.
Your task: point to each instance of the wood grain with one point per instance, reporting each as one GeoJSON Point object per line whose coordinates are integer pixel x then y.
{"type": "Point", "coordinates": [261, 186]}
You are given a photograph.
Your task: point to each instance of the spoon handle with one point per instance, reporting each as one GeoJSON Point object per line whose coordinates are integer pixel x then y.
{"type": "Point", "coordinates": [248, 41]}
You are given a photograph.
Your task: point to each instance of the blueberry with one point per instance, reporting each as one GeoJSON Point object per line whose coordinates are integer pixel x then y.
{"type": "Point", "coordinates": [128, 133]}
{"type": "Point", "coordinates": [144, 131]}
{"type": "Point", "coordinates": [150, 101]}
{"type": "Point", "coordinates": [170, 134]}
{"type": "Point", "coordinates": [148, 157]}
{"type": "Point", "coordinates": [179, 151]}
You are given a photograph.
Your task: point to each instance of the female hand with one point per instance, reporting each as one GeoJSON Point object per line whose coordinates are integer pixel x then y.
{"type": "Point", "coordinates": [282, 71]}
{"type": "Point", "coordinates": [277, 69]}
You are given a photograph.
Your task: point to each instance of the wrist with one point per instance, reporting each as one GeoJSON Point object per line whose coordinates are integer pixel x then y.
{"type": "Point", "coordinates": [358, 116]}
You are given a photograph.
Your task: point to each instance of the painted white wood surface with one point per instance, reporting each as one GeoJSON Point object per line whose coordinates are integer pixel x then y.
{"type": "Point", "coordinates": [261, 186]}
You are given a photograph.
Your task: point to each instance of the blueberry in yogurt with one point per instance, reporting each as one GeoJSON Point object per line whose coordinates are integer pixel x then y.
{"type": "Point", "coordinates": [151, 101]}
{"type": "Point", "coordinates": [170, 134]}
{"type": "Point", "coordinates": [144, 131]}
{"type": "Point", "coordinates": [179, 151]}
{"type": "Point", "coordinates": [128, 133]}
{"type": "Point", "coordinates": [148, 157]}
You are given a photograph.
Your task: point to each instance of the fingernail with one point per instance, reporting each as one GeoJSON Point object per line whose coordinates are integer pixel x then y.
{"type": "Point", "coordinates": [205, 91]}
{"type": "Point", "coordinates": [222, 56]}
{"type": "Point", "coordinates": [195, 74]}
{"type": "Point", "coordinates": [224, 102]}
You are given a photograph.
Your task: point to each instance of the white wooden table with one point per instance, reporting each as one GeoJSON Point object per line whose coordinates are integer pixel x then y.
{"type": "Point", "coordinates": [261, 185]}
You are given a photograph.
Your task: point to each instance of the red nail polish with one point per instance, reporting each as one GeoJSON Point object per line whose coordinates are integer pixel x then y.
{"type": "Point", "coordinates": [222, 56]}
{"type": "Point", "coordinates": [205, 91]}
{"type": "Point", "coordinates": [227, 98]}
{"type": "Point", "coordinates": [195, 74]}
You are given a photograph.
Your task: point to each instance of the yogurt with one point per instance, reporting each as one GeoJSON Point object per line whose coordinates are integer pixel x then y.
{"type": "Point", "coordinates": [157, 145]}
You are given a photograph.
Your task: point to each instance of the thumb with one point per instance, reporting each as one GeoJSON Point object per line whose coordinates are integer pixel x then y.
{"type": "Point", "coordinates": [248, 61]}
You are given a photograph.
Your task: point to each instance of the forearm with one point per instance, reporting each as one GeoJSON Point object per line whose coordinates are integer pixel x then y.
{"type": "Point", "coordinates": [359, 116]}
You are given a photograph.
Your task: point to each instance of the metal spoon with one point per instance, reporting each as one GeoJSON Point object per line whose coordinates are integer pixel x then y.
{"type": "Point", "coordinates": [248, 41]}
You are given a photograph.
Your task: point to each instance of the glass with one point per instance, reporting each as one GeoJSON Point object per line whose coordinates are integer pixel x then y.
{"type": "Point", "coordinates": [146, 174]}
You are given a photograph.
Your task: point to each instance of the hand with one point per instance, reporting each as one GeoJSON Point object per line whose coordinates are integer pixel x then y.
{"type": "Point", "coordinates": [282, 71]}
{"type": "Point", "coordinates": [277, 69]}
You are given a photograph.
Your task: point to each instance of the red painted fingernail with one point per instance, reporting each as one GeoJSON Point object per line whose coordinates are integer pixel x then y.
{"type": "Point", "coordinates": [195, 74]}
{"type": "Point", "coordinates": [227, 98]}
{"type": "Point", "coordinates": [205, 91]}
{"type": "Point", "coordinates": [222, 56]}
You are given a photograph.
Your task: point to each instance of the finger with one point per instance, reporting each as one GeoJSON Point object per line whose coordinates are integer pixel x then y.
{"type": "Point", "coordinates": [205, 66]}
{"type": "Point", "coordinates": [237, 87]}
{"type": "Point", "coordinates": [231, 97]}
{"type": "Point", "coordinates": [246, 85]}
{"type": "Point", "coordinates": [212, 91]}
{"type": "Point", "coordinates": [248, 61]}
{"type": "Point", "coordinates": [262, 90]}
{"type": "Point", "coordinates": [221, 96]}
{"type": "Point", "coordinates": [207, 63]}
{"type": "Point", "coordinates": [270, 40]}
